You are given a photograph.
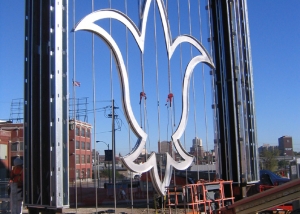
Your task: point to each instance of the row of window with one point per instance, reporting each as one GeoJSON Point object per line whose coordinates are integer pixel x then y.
{"type": "Point", "coordinates": [83, 173]}
{"type": "Point", "coordinates": [83, 145]}
{"type": "Point", "coordinates": [83, 159]}
{"type": "Point", "coordinates": [83, 132]}
{"type": "Point", "coordinates": [17, 146]}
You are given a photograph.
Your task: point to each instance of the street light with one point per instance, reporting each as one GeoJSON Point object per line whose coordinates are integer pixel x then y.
{"type": "Point", "coordinates": [108, 150]}
{"type": "Point", "coordinates": [284, 154]}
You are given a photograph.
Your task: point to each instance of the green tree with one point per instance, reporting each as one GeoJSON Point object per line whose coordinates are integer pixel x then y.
{"type": "Point", "coordinates": [268, 160]}
{"type": "Point", "coordinates": [282, 164]}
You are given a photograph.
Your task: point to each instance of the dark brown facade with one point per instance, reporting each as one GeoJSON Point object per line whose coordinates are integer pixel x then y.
{"type": "Point", "coordinates": [285, 144]}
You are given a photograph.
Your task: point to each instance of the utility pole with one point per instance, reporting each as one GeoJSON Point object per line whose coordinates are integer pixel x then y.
{"type": "Point", "coordinates": [114, 152]}
{"type": "Point", "coordinates": [112, 115]}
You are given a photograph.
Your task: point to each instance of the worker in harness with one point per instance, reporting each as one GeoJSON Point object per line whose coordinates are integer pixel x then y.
{"type": "Point", "coordinates": [16, 187]}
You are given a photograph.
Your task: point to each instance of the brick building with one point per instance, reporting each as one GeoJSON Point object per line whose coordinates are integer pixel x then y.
{"type": "Point", "coordinates": [11, 146]}
{"type": "Point", "coordinates": [80, 150]}
{"type": "Point", "coordinates": [285, 146]}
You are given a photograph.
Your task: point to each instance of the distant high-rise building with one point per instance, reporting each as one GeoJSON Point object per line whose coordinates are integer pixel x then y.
{"type": "Point", "coordinates": [197, 142]}
{"type": "Point", "coordinates": [267, 147]}
{"type": "Point", "coordinates": [166, 146]}
{"type": "Point", "coordinates": [285, 144]}
{"type": "Point", "coordinates": [197, 149]}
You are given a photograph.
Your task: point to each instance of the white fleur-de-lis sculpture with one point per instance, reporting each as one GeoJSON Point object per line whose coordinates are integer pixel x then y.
{"type": "Point", "coordinates": [87, 23]}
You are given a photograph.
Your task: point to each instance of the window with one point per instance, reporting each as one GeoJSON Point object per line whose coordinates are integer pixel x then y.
{"type": "Point", "coordinates": [88, 133]}
{"type": "Point", "coordinates": [83, 173]}
{"type": "Point", "coordinates": [88, 159]}
{"type": "Point", "coordinates": [88, 172]}
{"type": "Point", "coordinates": [82, 132]}
{"type": "Point", "coordinates": [21, 146]}
{"type": "Point", "coordinates": [82, 158]}
{"type": "Point", "coordinates": [77, 173]}
{"type": "Point", "coordinates": [14, 146]}
{"type": "Point", "coordinates": [77, 159]}
{"type": "Point", "coordinates": [3, 151]}
{"type": "Point", "coordinates": [88, 146]}
{"type": "Point", "coordinates": [82, 145]}
{"type": "Point", "coordinates": [77, 131]}
{"type": "Point", "coordinates": [77, 145]}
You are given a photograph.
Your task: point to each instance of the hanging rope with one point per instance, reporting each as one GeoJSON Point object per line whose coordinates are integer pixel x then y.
{"type": "Point", "coordinates": [113, 116]}
{"type": "Point", "coordinates": [181, 74]}
{"type": "Point", "coordinates": [94, 107]}
{"type": "Point", "coordinates": [216, 146]}
{"type": "Point", "coordinates": [143, 95]}
{"type": "Point", "coordinates": [111, 55]}
{"type": "Point", "coordinates": [204, 88]}
{"type": "Point", "coordinates": [194, 95]}
{"type": "Point", "coordinates": [129, 126]}
{"type": "Point", "coordinates": [74, 98]}
{"type": "Point", "coordinates": [157, 94]}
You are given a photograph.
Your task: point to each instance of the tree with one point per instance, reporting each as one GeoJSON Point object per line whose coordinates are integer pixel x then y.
{"type": "Point", "coordinates": [268, 160]}
{"type": "Point", "coordinates": [282, 164]}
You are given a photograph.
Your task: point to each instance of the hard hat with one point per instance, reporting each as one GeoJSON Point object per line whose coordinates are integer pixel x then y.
{"type": "Point", "coordinates": [18, 161]}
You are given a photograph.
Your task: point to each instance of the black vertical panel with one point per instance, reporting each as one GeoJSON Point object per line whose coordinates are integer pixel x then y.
{"type": "Point", "coordinates": [45, 140]}
{"type": "Point", "coordinates": [34, 124]}
{"type": "Point", "coordinates": [65, 104]}
{"type": "Point", "coordinates": [232, 131]}
{"type": "Point", "coordinates": [37, 96]}
{"type": "Point", "coordinates": [27, 106]}
{"type": "Point", "coordinates": [226, 92]}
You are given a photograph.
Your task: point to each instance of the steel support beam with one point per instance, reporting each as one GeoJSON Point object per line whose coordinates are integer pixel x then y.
{"type": "Point", "coordinates": [279, 195]}
{"type": "Point", "coordinates": [234, 112]}
{"type": "Point", "coordinates": [46, 105]}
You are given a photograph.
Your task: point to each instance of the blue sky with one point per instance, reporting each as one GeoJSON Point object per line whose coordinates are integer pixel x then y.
{"type": "Point", "coordinates": [274, 35]}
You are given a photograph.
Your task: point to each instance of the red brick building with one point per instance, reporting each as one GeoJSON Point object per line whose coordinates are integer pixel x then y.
{"type": "Point", "coordinates": [4, 147]}
{"type": "Point", "coordinates": [11, 146]}
{"type": "Point", "coordinates": [80, 150]}
{"type": "Point", "coordinates": [285, 145]}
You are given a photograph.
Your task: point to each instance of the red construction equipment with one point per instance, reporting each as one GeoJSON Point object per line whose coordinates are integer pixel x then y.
{"type": "Point", "coordinates": [203, 196]}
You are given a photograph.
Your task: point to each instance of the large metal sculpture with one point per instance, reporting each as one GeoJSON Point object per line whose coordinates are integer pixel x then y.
{"type": "Point", "coordinates": [87, 23]}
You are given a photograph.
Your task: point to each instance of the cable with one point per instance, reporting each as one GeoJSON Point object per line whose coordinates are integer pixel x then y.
{"type": "Point", "coordinates": [204, 90]}
{"type": "Point", "coordinates": [74, 95]}
{"type": "Point", "coordinates": [156, 69]}
{"type": "Point", "coordinates": [94, 105]}
{"type": "Point", "coordinates": [129, 128]}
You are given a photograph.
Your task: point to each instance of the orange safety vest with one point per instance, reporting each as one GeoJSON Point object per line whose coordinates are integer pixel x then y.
{"type": "Point", "coordinates": [17, 175]}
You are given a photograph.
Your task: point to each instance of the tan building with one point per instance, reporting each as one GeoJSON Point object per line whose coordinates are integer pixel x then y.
{"type": "Point", "coordinates": [166, 146]}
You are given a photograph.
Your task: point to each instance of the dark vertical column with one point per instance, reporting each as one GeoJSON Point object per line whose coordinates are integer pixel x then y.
{"type": "Point", "coordinates": [234, 94]}
{"type": "Point", "coordinates": [46, 105]}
